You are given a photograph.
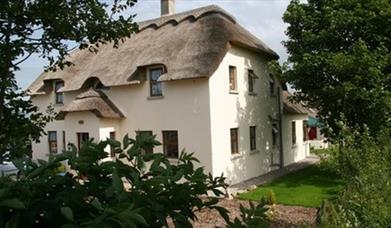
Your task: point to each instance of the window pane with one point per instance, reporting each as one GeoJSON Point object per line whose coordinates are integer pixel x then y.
{"type": "Point", "coordinates": [232, 78]}
{"type": "Point", "coordinates": [52, 138]}
{"type": "Point", "coordinates": [234, 141]}
{"type": "Point", "coordinates": [170, 144]}
{"type": "Point", "coordinates": [52, 135]}
{"type": "Point", "coordinates": [155, 86]}
{"type": "Point", "coordinates": [59, 98]}
{"type": "Point", "coordinates": [155, 74]}
{"type": "Point", "coordinates": [293, 132]}
{"type": "Point", "coordinates": [156, 89]}
{"type": "Point", "coordinates": [253, 145]}
{"type": "Point", "coordinates": [81, 138]}
{"type": "Point", "coordinates": [58, 85]}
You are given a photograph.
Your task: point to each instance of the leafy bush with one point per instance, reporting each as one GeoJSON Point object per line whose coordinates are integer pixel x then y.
{"type": "Point", "coordinates": [254, 216]}
{"type": "Point", "coordinates": [365, 163]}
{"type": "Point", "coordinates": [134, 190]}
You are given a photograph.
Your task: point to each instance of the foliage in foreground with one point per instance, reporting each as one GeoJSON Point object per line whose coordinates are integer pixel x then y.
{"type": "Point", "coordinates": [93, 194]}
{"type": "Point", "coordinates": [365, 163]}
{"type": "Point", "coordinates": [135, 190]}
{"type": "Point", "coordinates": [49, 29]}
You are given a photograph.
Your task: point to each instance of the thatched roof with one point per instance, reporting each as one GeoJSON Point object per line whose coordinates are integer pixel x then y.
{"type": "Point", "coordinates": [292, 107]}
{"type": "Point", "coordinates": [189, 45]}
{"type": "Point", "coordinates": [94, 101]}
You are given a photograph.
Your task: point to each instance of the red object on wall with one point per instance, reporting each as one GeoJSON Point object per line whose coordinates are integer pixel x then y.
{"type": "Point", "coordinates": [313, 133]}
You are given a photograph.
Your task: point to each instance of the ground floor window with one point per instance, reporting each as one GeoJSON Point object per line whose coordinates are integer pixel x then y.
{"type": "Point", "coordinates": [52, 138]}
{"type": "Point", "coordinates": [147, 149]}
{"type": "Point", "coordinates": [294, 139]}
{"type": "Point", "coordinates": [63, 141]}
{"type": "Point", "coordinates": [234, 141]}
{"type": "Point", "coordinates": [170, 144]}
{"type": "Point", "coordinates": [112, 137]}
{"type": "Point", "coordinates": [81, 138]}
{"type": "Point", "coordinates": [253, 138]}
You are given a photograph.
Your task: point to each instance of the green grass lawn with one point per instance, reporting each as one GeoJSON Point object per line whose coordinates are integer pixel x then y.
{"type": "Point", "coordinates": [307, 187]}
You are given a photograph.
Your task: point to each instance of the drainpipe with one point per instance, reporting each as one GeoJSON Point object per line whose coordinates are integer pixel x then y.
{"type": "Point", "coordinates": [280, 114]}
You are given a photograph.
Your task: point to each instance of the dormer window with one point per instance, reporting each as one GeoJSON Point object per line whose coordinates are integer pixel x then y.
{"type": "Point", "coordinates": [155, 85]}
{"type": "Point", "coordinates": [59, 95]}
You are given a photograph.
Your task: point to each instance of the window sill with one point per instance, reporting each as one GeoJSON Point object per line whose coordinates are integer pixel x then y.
{"type": "Point", "coordinates": [251, 94]}
{"type": "Point", "coordinates": [155, 97]}
{"type": "Point", "coordinates": [294, 146]}
{"type": "Point", "coordinates": [236, 156]}
{"type": "Point", "coordinates": [58, 104]}
{"type": "Point", "coordinates": [233, 92]}
{"type": "Point", "coordinates": [254, 151]}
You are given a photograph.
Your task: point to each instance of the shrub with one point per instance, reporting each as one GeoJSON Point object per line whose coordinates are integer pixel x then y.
{"type": "Point", "coordinates": [134, 190]}
{"type": "Point", "coordinates": [254, 216]}
{"type": "Point", "coordinates": [365, 163]}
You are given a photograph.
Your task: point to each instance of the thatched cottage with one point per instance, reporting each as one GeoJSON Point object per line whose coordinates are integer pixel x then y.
{"type": "Point", "coordinates": [197, 80]}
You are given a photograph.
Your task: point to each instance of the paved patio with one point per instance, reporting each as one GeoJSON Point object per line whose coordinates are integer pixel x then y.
{"type": "Point", "coordinates": [252, 183]}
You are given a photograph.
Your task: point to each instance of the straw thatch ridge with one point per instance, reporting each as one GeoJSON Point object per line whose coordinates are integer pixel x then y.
{"type": "Point", "coordinates": [94, 101]}
{"type": "Point", "coordinates": [190, 45]}
{"type": "Point", "coordinates": [292, 107]}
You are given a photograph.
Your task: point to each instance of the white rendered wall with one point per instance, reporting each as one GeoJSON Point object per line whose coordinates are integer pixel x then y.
{"type": "Point", "coordinates": [184, 107]}
{"type": "Point", "coordinates": [241, 110]}
{"type": "Point", "coordinates": [300, 150]}
{"type": "Point", "coordinates": [41, 149]}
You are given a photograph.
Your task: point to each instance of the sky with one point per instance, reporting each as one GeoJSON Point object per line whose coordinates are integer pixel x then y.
{"type": "Point", "coordinates": [263, 18]}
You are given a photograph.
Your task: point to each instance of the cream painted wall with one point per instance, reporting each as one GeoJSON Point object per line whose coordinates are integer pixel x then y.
{"type": "Point", "coordinates": [241, 110]}
{"type": "Point", "coordinates": [184, 107]}
{"type": "Point", "coordinates": [299, 151]}
{"type": "Point", "coordinates": [41, 149]}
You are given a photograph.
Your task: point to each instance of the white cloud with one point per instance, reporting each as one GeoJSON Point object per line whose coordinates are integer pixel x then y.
{"type": "Point", "coordinates": [263, 18]}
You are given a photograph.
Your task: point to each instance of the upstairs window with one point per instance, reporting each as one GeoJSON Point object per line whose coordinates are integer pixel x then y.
{"type": "Point", "coordinates": [233, 84]}
{"type": "Point", "coordinates": [253, 138]}
{"type": "Point", "coordinates": [251, 80]}
{"type": "Point", "coordinates": [59, 95]}
{"type": "Point", "coordinates": [170, 144]}
{"type": "Point", "coordinates": [155, 85]}
{"type": "Point", "coordinates": [147, 149]}
{"type": "Point", "coordinates": [294, 139]}
{"type": "Point", "coordinates": [234, 141]}
{"type": "Point", "coordinates": [272, 86]}
{"type": "Point", "coordinates": [52, 138]}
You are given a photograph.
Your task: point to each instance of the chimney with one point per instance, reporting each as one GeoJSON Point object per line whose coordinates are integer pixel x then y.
{"type": "Point", "coordinates": [168, 7]}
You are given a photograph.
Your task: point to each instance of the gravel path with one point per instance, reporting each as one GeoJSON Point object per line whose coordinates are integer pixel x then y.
{"type": "Point", "coordinates": [286, 216]}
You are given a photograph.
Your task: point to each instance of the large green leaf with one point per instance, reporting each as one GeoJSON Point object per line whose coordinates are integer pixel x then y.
{"type": "Point", "coordinates": [13, 203]}
{"type": "Point", "coordinates": [67, 213]}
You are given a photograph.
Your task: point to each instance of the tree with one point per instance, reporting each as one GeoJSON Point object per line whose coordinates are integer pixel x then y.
{"type": "Point", "coordinates": [48, 28]}
{"type": "Point", "coordinates": [340, 61]}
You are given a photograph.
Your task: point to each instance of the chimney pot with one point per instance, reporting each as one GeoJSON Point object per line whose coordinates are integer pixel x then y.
{"type": "Point", "coordinates": [167, 7]}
